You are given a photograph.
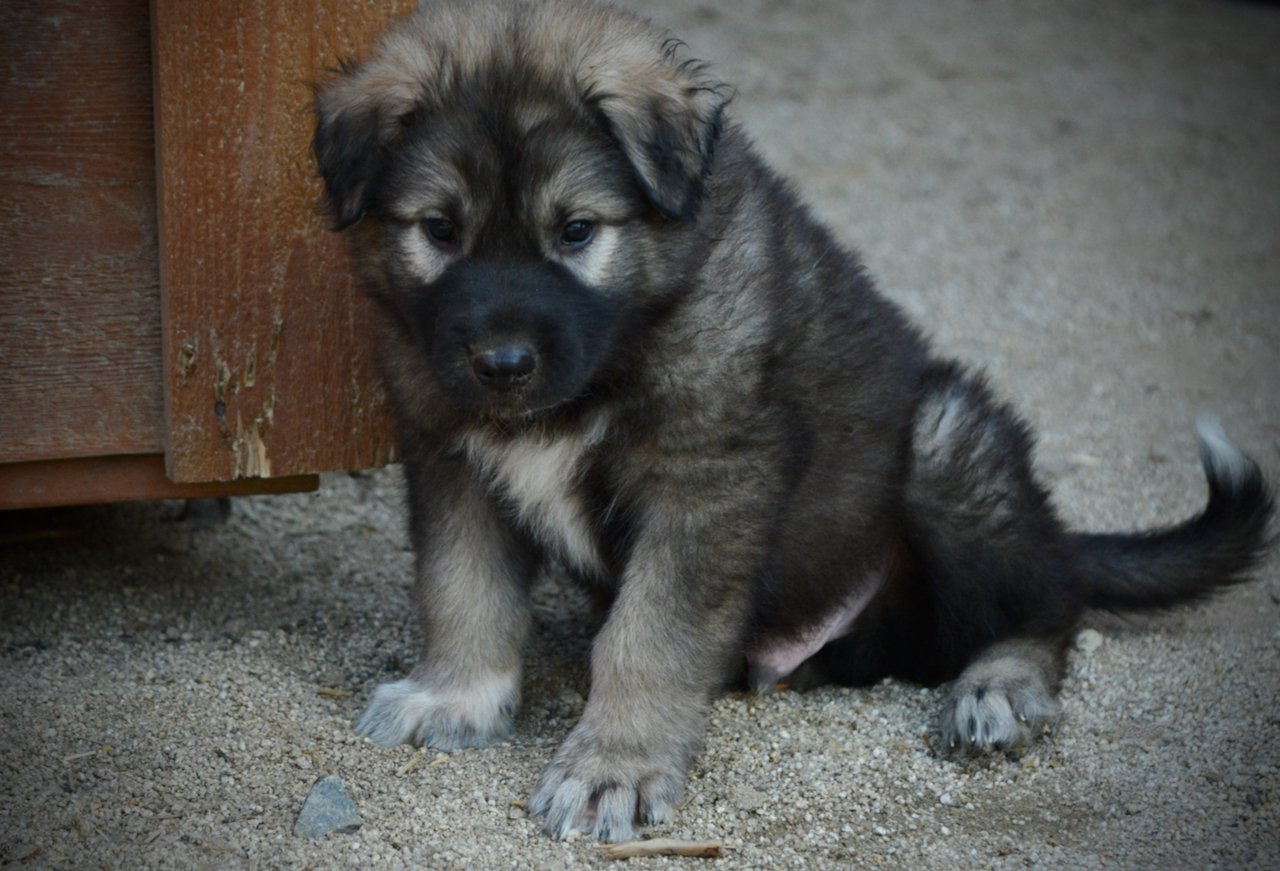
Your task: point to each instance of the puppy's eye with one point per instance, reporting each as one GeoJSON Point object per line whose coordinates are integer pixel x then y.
{"type": "Point", "coordinates": [577, 234]}
{"type": "Point", "coordinates": [441, 231]}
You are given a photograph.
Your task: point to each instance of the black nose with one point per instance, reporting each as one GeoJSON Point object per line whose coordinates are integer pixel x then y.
{"type": "Point", "coordinates": [502, 367]}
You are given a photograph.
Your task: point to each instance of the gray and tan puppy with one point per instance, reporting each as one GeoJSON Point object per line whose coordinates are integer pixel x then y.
{"type": "Point", "coordinates": [614, 339]}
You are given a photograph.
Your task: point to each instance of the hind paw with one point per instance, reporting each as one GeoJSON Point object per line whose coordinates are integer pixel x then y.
{"type": "Point", "coordinates": [996, 704]}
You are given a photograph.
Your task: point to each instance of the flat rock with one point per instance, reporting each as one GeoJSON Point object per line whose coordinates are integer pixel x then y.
{"type": "Point", "coordinates": [327, 809]}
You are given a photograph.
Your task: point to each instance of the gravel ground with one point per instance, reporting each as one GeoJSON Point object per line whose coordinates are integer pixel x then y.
{"type": "Point", "coordinates": [1083, 198]}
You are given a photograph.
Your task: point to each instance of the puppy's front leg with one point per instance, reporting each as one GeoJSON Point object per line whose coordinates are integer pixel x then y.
{"type": "Point", "coordinates": [472, 601]}
{"type": "Point", "coordinates": [657, 662]}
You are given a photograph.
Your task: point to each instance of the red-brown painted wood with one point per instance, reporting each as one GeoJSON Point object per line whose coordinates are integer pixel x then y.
{"type": "Point", "coordinates": [80, 360]}
{"type": "Point", "coordinates": [267, 369]}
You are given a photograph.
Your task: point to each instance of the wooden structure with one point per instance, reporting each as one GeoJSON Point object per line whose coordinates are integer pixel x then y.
{"type": "Point", "coordinates": [175, 319]}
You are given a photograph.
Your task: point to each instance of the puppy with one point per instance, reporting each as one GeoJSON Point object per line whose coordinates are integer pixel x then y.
{"type": "Point", "coordinates": [614, 339]}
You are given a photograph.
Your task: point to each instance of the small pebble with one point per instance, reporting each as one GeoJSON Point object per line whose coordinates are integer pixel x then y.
{"type": "Point", "coordinates": [327, 809]}
{"type": "Point", "coordinates": [1088, 641]}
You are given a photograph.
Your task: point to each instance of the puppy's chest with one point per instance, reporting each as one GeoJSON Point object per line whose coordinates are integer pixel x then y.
{"type": "Point", "coordinates": [540, 479]}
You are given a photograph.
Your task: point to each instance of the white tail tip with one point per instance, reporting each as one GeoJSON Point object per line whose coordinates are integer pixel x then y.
{"type": "Point", "coordinates": [1224, 460]}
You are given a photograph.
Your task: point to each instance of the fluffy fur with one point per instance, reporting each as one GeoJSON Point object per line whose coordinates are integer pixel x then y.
{"type": "Point", "coordinates": [613, 338]}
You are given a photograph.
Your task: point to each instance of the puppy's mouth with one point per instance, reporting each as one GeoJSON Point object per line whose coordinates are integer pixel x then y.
{"type": "Point", "coordinates": [515, 416]}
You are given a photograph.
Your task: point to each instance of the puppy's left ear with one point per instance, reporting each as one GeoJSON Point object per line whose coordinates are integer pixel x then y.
{"type": "Point", "coordinates": [666, 116]}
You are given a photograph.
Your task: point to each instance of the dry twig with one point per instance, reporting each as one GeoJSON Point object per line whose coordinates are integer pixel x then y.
{"type": "Point", "coordinates": [665, 847]}
{"type": "Point", "coordinates": [412, 765]}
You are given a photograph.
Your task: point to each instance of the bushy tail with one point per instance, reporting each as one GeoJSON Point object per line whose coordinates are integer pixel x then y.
{"type": "Point", "coordinates": [1189, 561]}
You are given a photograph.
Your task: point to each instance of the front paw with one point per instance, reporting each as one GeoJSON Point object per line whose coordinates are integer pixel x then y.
{"type": "Point", "coordinates": [416, 711]}
{"type": "Point", "coordinates": [603, 788]}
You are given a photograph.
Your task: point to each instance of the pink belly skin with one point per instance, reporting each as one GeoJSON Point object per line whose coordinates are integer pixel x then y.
{"type": "Point", "coordinates": [772, 663]}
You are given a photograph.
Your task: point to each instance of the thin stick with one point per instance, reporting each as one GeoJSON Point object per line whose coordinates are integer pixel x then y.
{"type": "Point", "coordinates": [665, 847]}
{"type": "Point", "coordinates": [412, 765]}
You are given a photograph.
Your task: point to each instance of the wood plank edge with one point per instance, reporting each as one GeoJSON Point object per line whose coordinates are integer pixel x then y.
{"type": "Point", "coordinates": [96, 480]}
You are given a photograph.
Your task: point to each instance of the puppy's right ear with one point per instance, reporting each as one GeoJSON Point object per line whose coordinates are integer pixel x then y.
{"type": "Point", "coordinates": [357, 117]}
{"type": "Point", "coordinates": [348, 150]}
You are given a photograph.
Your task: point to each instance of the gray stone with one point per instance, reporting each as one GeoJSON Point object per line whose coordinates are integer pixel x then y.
{"type": "Point", "coordinates": [327, 809]}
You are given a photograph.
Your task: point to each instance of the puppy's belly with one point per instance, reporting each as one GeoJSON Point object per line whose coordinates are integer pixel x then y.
{"type": "Point", "coordinates": [773, 661]}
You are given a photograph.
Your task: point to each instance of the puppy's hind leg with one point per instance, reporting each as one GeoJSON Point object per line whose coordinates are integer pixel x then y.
{"type": "Point", "coordinates": [1004, 697]}
{"type": "Point", "coordinates": [1001, 575]}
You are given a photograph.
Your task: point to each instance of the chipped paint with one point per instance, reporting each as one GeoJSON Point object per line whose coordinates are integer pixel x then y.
{"type": "Point", "coordinates": [188, 356]}
{"type": "Point", "coordinates": [250, 451]}
{"type": "Point", "coordinates": [221, 379]}
{"type": "Point", "coordinates": [246, 441]}
{"type": "Point", "coordinates": [277, 328]}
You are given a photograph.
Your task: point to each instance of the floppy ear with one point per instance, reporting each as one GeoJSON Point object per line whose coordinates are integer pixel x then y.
{"type": "Point", "coordinates": [357, 117]}
{"type": "Point", "coordinates": [666, 117]}
{"type": "Point", "coordinates": [348, 150]}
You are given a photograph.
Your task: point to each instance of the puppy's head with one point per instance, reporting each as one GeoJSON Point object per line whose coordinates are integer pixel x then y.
{"type": "Point", "coordinates": [514, 169]}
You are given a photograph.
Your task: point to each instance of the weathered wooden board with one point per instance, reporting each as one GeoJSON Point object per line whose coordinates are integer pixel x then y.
{"type": "Point", "coordinates": [79, 289]}
{"type": "Point", "coordinates": [93, 480]}
{"type": "Point", "coordinates": [266, 362]}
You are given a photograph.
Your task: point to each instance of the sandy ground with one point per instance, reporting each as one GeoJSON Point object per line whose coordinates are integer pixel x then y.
{"type": "Point", "coordinates": [1083, 198]}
